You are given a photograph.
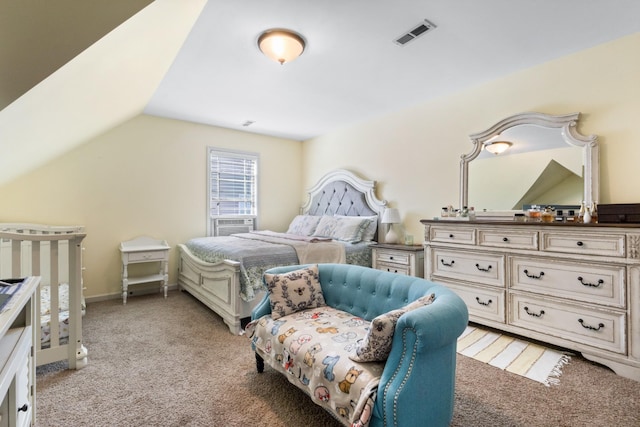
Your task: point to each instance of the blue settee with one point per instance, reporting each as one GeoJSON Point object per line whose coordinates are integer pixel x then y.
{"type": "Point", "coordinates": [417, 382]}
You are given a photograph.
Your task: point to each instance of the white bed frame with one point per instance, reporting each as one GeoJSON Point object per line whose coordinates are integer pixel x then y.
{"type": "Point", "coordinates": [55, 254]}
{"type": "Point", "coordinates": [217, 285]}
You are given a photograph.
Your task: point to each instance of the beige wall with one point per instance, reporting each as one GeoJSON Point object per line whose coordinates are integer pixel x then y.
{"type": "Point", "coordinates": [414, 154]}
{"type": "Point", "coordinates": [146, 177]}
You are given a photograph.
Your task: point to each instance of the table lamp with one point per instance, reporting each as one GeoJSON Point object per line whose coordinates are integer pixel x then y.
{"type": "Point", "coordinates": [391, 216]}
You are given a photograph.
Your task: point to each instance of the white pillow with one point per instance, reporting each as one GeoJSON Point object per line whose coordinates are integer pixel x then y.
{"type": "Point", "coordinates": [345, 228]}
{"type": "Point", "coordinates": [303, 225]}
{"type": "Point", "coordinates": [370, 232]}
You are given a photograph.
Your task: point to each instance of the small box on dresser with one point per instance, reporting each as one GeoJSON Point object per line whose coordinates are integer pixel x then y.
{"type": "Point", "coordinates": [573, 285]}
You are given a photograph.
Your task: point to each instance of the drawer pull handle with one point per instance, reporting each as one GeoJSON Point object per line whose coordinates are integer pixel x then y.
{"type": "Point", "coordinates": [390, 257]}
{"type": "Point", "coordinates": [530, 313]}
{"type": "Point", "coordinates": [505, 239]}
{"type": "Point", "coordinates": [483, 303]}
{"type": "Point", "coordinates": [23, 408]}
{"type": "Point", "coordinates": [579, 243]}
{"type": "Point", "coordinates": [447, 265]}
{"type": "Point", "coordinates": [593, 285]}
{"type": "Point", "coordinates": [486, 270]}
{"type": "Point", "coordinates": [533, 276]}
{"type": "Point", "coordinates": [600, 325]}
{"type": "Point", "coordinates": [451, 236]}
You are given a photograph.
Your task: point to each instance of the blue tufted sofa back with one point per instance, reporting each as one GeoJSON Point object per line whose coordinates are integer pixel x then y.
{"type": "Point", "coordinates": [365, 292]}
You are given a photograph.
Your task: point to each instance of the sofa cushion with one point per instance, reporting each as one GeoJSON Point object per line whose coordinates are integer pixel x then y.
{"type": "Point", "coordinates": [376, 345]}
{"type": "Point", "coordinates": [294, 291]}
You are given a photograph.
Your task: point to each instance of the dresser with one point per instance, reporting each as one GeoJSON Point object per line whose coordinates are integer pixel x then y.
{"type": "Point", "coordinates": [400, 259]}
{"type": "Point", "coordinates": [572, 285]}
{"type": "Point", "coordinates": [17, 362]}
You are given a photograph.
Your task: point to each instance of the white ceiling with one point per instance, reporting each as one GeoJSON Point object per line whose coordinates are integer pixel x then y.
{"type": "Point", "coordinates": [352, 71]}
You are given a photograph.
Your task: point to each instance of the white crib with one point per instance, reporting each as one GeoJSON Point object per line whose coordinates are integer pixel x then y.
{"type": "Point", "coordinates": [55, 254]}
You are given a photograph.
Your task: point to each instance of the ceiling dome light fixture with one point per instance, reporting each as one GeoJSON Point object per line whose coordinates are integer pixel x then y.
{"type": "Point", "coordinates": [281, 45]}
{"type": "Point", "coordinates": [498, 147]}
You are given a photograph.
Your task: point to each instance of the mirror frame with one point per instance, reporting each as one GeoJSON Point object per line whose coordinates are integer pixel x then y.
{"type": "Point", "coordinates": [566, 123]}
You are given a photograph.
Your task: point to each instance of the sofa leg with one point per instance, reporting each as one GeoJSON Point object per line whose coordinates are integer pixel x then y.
{"type": "Point", "coordinates": [259, 363]}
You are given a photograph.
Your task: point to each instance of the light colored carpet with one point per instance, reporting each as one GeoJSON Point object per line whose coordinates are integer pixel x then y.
{"type": "Point", "coordinates": [530, 360]}
{"type": "Point", "coordinates": [172, 362]}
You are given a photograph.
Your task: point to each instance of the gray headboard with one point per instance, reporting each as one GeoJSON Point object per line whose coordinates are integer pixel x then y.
{"type": "Point", "coordinates": [341, 192]}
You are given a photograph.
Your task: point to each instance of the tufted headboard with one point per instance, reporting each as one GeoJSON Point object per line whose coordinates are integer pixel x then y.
{"type": "Point", "coordinates": [341, 192]}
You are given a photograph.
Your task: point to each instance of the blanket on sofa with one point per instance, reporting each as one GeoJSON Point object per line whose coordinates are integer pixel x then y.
{"type": "Point", "coordinates": [311, 348]}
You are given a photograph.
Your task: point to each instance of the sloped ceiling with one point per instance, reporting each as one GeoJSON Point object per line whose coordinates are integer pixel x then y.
{"type": "Point", "coordinates": [38, 37]}
{"type": "Point", "coordinates": [351, 70]}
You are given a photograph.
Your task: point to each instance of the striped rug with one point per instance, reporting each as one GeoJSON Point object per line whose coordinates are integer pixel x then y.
{"type": "Point", "coordinates": [513, 355]}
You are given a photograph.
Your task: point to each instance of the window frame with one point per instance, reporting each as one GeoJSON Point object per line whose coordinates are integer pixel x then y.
{"type": "Point", "coordinates": [221, 152]}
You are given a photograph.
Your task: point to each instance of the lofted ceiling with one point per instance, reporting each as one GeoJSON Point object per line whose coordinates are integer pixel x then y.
{"type": "Point", "coordinates": [352, 70]}
{"type": "Point", "coordinates": [198, 61]}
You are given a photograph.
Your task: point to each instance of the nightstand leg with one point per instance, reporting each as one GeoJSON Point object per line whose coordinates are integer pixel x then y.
{"type": "Point", "coordinates": [125, 284]}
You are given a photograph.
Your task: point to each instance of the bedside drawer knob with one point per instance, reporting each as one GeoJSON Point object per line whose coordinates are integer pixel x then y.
{"type": "Point", "coordinates": [505, 239]}
{"type": "Point", "coordinates": [451, 236]}
{"type": "Point", "coordinates": [579, 243]}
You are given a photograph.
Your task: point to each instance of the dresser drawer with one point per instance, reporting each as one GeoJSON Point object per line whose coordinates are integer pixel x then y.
{"type": "Point", "coordinates": [453, 235]}
{"type": "Point", "coordinates": [595, 327]}
{"type": "Point", "coordinates": [517, 239]}
{"type": "Point", "coordinates": [473, 267]}
{"type": "Point", "coordinates": [395, 257]}
{"type": "Point", "coordinates": [593, 283]}
{"type": "Point", "coordinates": [584, 243]}
{"type": "Point", "coordinates": [394, 268]}
{"type": "Point", "coordinates": [485, 303]}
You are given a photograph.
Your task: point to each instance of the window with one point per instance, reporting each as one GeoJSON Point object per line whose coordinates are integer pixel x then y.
{"type": "Point", "coordinates": [233, 177]}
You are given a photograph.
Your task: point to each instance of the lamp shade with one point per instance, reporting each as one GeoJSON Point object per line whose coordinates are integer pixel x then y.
{"type": "Point", "coordinates": [497, 147]}
{"type": "Point", "coordinates": [391, 216]}
{"type": "Point", "coordinates": [281, 45]}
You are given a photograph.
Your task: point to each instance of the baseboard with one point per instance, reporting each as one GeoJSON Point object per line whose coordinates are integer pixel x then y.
{"type": "Point", "coordinates": [133, 292]}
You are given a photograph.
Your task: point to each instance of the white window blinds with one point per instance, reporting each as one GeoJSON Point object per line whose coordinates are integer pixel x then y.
{"type": "Point", "coordinates": [233, 180]}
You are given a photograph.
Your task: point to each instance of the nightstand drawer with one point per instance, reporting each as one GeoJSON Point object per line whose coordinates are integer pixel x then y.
{"type": "Point", "coordinates": [394, 268]}
{"type": "Point", "coordinates": [595, 327]}
{"type": "Point", "coordinates": [453, 235]}
{"type": "Point", "coordinates": [394, 257]}
{"type": "Point", "coordinates": [517, 239]}
{"type": "Point", "coordinates": [146, 256]}
{"type": "Point", "coordinates": [486, 269]}
{"type": "Point", "coordinates": [587, 244]}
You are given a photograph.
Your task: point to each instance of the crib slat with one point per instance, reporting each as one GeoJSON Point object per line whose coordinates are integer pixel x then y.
{"type": "Point", "coordinates": [54, 284]}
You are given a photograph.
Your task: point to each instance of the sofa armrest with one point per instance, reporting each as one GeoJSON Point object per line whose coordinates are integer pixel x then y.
{"type": "Point", "coordinates": [263, 308]}
{"type": "Point", "coordinates": [419, 376]}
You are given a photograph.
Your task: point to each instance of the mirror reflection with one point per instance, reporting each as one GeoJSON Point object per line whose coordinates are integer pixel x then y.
{"type": "Point", "coordinates": [546, 162]}
{"type": "Point", "coordinates": [539, 168]}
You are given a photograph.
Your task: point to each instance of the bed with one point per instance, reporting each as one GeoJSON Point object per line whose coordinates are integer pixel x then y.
{"type": "Point", "coordinates": [55, 254]}
{"type": "Point", "coordinates": [225, 273]}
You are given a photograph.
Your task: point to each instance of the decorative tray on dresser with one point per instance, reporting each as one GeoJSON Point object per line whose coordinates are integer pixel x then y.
{"type": "Point", "coordinates": [572, 285]}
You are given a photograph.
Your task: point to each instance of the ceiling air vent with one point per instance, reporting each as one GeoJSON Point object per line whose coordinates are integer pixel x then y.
{"type": "Point", "coordinates": [414, 33]}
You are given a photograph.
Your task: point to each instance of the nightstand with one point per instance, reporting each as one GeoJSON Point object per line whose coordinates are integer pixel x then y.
{"type": "Point", "coordinates": [401, 259]}
{"type": "Point", "coordinates": [144, 250]}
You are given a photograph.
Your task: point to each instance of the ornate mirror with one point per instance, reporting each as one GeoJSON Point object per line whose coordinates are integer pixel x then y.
{"type": "Point", "coordinates": [546, 162]}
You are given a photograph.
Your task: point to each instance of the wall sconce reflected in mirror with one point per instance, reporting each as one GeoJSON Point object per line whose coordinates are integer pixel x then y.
{"type": "Point", "coordinates": [497, 147]}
